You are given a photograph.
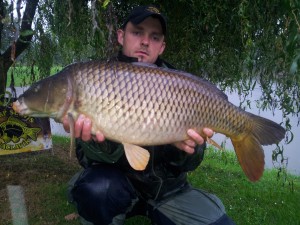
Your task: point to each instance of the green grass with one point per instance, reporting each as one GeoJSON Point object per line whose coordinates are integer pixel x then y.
{"type": "Point", "coordinates": [271, 200]}
{"type": "Point", "coordinates": [44, 178]}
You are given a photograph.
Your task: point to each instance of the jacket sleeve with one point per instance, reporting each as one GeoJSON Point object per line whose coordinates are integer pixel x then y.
{"type": "Point", "coordinates": [91, 151]}
{"type": "Point", "coordinates": [180, 161]}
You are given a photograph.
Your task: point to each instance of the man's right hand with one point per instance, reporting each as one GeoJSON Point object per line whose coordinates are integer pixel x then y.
{"type": "Point", "coordinates": [83, 128]}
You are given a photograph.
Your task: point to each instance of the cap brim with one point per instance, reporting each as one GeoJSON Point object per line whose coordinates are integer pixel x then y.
{"type": "Point", "coordinates": [137, 20]}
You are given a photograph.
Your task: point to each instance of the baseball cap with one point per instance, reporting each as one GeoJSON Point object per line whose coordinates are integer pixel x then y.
{"type": "Point", "coordinates": [140, 13]}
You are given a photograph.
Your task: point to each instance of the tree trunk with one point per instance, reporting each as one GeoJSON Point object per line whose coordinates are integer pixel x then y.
{"type": "Point", "coordinates": [17, 47]}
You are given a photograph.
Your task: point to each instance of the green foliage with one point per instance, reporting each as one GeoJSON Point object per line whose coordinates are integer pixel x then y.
{"type": "Point", "coordinates": [230, 40]}
{"type": "Point", "coordinates": [227, 38]}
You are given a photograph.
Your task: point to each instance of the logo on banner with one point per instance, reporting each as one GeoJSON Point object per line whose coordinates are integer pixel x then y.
{"type": "Point", "coordinates": [22, 133]}
{"type": "Point", "coordinates": [15, 134]}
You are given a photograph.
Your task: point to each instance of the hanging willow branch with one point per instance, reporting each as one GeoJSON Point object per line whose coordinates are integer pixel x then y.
{"type": "Point", "coordinates": [94, 16]}
{"type": "Point", "coordinates": [295, 17]}
{"type": "Point", "coordinates": [70, 12]}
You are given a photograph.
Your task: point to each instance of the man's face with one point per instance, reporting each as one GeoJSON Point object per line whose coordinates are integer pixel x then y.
{"type": "Point", "coordinates": [144, 41]}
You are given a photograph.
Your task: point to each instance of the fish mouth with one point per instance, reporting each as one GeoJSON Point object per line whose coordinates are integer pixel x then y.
{"type": "Point", "coordinates": [20, 108]}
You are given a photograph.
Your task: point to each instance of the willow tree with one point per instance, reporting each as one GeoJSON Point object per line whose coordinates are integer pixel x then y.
{"type": "Point", "coordinates": [15, 37]}
{"type": "Point", "coordinates": [229, 40]}
{"type": "Point", "coordinates": [52, 33]}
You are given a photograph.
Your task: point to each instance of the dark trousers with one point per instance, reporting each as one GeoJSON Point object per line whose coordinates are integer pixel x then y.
{"type": "Point", "coordinates": [103, 195]}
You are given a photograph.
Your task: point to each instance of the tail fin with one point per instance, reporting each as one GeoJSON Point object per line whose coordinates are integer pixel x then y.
{"type": "Point", "coordinates": [248, 145]}
{"type": "Point", "coordinates": [266, 131]}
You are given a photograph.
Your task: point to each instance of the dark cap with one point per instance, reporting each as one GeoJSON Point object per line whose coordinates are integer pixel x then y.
{"type": "Point", "coordinates": [140, 13]}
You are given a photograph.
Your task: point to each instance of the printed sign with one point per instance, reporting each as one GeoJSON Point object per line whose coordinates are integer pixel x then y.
{"type": "Point", "coordinates": [22, 133]}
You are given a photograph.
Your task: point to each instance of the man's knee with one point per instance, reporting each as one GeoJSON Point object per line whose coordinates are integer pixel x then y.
{"type": "Point", "coordinates": [191, 207]}
{"type": "Point", "coordinates": [101, 193]}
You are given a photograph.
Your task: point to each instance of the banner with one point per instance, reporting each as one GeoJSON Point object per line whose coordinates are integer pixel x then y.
{"type": "Point", "coordinates": [22, 133]}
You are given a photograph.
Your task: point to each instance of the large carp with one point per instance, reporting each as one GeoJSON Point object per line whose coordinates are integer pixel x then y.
{"type": "Point", "coordinates": [140, 105]}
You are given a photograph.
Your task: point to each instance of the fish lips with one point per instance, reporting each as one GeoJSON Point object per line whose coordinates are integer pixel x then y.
{"type": "Point", "coordinates": [21, 108]}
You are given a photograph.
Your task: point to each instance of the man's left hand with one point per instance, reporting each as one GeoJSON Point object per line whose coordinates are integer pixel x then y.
{"type": "Point", "coordinates": [194, 138]}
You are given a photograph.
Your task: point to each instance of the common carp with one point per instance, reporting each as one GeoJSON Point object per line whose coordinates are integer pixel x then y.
{"type": "Point", "coordinates": [140, 104]}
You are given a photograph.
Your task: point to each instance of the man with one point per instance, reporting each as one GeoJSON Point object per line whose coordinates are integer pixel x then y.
{"type": "Point", "coordinates": [108, 190]}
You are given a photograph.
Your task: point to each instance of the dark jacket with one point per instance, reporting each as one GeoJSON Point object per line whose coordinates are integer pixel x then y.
{"type": "Point", "coordinates": [167, 170]}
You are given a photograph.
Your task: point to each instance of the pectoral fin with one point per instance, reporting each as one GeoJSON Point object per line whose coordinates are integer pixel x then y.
{"type": "Point", "coordinates": [137, 156]}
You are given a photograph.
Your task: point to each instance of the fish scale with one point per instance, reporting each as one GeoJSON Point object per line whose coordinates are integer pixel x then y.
{"type": "Point", "coordinates": [138, 105]}
{"type": "Point", "coordinates": [141, 97]}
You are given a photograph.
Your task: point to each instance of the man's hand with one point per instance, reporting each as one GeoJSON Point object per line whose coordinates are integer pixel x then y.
{"type": "Point", "coordinates": [189, 145]}
{"type": "Point", "coordinates": [83, 129]}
